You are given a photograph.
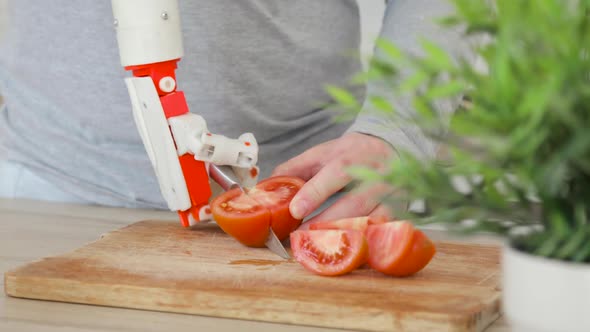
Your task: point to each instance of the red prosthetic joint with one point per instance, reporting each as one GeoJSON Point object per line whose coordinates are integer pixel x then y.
{"type": "Point", "coordinates": [162, 73]}
{"type": "Point", "coordinates": [198, 187]}
{"type": "Point", "coordinates": [174, 104]}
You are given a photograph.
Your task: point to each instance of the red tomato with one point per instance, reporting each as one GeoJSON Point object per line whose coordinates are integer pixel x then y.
{"type": "Point", "coordinates": [357, 223]}
{"type": "Point", "coordinates": [241, 217]}
{"type": "Point", "coordinates": [398, 249]}
{"type": "Point", "coordinates": [276, 194]}
{"type": "Point", "coordinates": [420, 254]}
{"type": "Point", "coordinates": [248, 217]}
{"type": "Point", "coordinates": [329, 252]}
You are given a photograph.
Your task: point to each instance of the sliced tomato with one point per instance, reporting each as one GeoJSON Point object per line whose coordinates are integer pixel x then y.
{"type": "Point", "coordinates": [398, 249]}
{"type": "Point", "coordinates": [357, 223]}
{"type": "Point", "coordinates": [248, 217]}
{"type": "Point", "coordinates": [420, 254]}
{"type": "Point", "coordinates": [329, 252]}
{"type": "Point", "coordinates": [276, 194]}
{"type": "Point", "coordinates": [241, 217]}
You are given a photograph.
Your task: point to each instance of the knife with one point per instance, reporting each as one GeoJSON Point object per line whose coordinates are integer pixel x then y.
{"type": "Point", "coordinates": [227, 180]}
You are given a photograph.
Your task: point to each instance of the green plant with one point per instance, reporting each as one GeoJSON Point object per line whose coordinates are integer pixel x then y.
{"type": "Point", "coordinates": [521, 146]}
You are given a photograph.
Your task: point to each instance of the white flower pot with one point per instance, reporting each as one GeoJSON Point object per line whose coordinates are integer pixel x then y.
{"type": "Point", "coordinates": [545, 295]}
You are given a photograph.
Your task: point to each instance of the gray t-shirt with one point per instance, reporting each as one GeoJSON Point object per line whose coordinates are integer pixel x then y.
{"type": "Point", "coordinates": [255, 66]}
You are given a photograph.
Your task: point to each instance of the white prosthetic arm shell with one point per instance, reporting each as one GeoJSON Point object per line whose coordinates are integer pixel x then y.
{"type": "Point", "coordinates": [191, 135]}
{"type": "Point", "coordinates": [148, 31]}
{"type": "Point", "coordinates": [157, 139]}
{"type": "Point", "coordinates": [241, 152]}
{"type": "Point", "coordinates": [187, 130]}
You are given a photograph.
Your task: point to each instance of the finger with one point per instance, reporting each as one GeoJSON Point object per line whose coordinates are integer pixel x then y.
{"type": "Point", "coordinates": [355, 204]}
{"type": "Point", "coordinates": [382, 211]}
{"type": "Point", "coordinates": [318, 189]}
{"type": "Point", "coordinates": [305, 165]}
{"type": "Point", "coordinates": [304, 226]}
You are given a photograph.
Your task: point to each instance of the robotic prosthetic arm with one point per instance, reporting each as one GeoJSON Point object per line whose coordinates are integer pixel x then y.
{"type": "Point", "coordinates": [178, 143]}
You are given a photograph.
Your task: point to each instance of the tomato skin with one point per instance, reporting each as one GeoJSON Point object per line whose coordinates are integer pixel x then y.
{"type": "Point", "coordinates": [248, 217]}
{"type": "Point", "coordinates": [388, 243]}
{"type": "Point", "coordinates": [355, 223]}
{"type": "Point", "coordinates": [421, 252]}
{"type": "Point", "coordinates": [398, 249]}
{"type": "Point", "coordinates": [282, 222]}
{"type": "Point", "coordinates": [329, 252]}
{"type": "Point", "coordinates": [251, 228]}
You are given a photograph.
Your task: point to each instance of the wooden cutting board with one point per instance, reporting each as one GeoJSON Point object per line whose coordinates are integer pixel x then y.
{"type": "Point", "coordinates": [158, 265]}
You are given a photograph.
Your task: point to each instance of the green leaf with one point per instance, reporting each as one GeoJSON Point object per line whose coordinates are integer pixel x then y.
{"type": "Point", "coordinates": [343, 97]}
{"type": "Point", "coordinates": [449, 21]}
{"type": "Point", "coordinates": [366, 174]}
{"type": "Point", "coordinates": [548, 247]}
{"type": "Point", "coordinates": [437, 56]}
{"type": "Point", "coordinates": [581, 214]}
{"type": "Point", "coordinates": [381, 70]}
{"type": "Point", "coordinates": [583, 255]}
{"type": "Point", "coordinates": [414, 81]}
{"type": "Point", "coordinates": [573, 244]}
{"type": "Point", "coordinates": [389, 48]}
{"type": "Point", "coordinates": [381, 104]}
{"type": "Point", "coordinates": [448, 89]}
{"type": "Point", "coordinates": [425, 111]}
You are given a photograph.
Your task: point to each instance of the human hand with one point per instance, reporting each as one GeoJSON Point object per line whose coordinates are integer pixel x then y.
{"type": "Point", "coordinates": [324, 169]}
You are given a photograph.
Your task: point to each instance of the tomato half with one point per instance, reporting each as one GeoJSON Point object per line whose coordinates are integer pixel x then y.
{"type": "Point", "coordinates": [329, 252]}
{"type": "Point", "coordinates": [276, 194]}
{"type": "Point", "coordinates": [248, 217]}
{"type": "Point", "coordinates": [398, 249]}
{"type": "Point", "coordinates": [357, 223]}
{"type": "Point", "coordinates": [241, 217]}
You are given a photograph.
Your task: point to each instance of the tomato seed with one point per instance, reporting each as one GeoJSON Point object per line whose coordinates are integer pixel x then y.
{"type": "Point", "coordinates": [322, 258]}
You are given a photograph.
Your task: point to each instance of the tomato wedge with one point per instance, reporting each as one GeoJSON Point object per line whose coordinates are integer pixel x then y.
{"type": "Point", "coordinates": [398, 249]}
{"type": "Point", "coordinates": [329, 252]}
{"type": "Point", "coordinates": [248, 217]}
{"type": "Point", "coordinates": [421, 253]}
{"type": "Point", "coordinates": [357, 223]}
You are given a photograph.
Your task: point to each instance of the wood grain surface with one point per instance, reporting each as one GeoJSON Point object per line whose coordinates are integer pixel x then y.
{"type": "Point", "coordinates": [157, 265]}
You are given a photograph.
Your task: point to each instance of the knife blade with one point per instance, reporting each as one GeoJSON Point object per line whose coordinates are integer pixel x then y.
{"type": "Point", "coordinates": [274, 244]}
{"type": "Point", "coordinates": [225, 177]}
{"type": "Point", "coordinates": [227, 180]}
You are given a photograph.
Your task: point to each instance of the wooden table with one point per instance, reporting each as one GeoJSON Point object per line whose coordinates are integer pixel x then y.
{"type": "Point", "coordinates": [30, 230]}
